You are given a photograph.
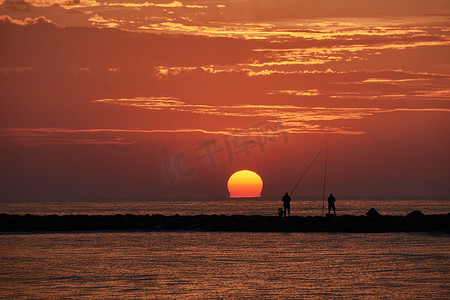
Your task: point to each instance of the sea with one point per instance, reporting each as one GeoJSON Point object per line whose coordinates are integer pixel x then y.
{"type": "Point", "coordinates": [225, 265]}
{"type": "Point", "coordinates": [265, 206]}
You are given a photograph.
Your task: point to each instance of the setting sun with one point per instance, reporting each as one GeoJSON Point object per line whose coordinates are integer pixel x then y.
{"type": "Point", "coordinates": [245, 183]}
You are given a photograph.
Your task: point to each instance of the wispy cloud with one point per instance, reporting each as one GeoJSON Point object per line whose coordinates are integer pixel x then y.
{"type": "Point", "coordinates": [171, 4]}
{"type": "Point", "coordinates": [100, 21]}
{"type": "Point", "coordinates": [242, 30]}
{"type": "Point", "coordinates": [362, 30]}
{"type": "Point", "coordinates": [311, 92]}
{"type": "Point", "coordinates": [54, 130]}
{"type": "Point", "coordinates": [196, 6]}
{"type": "Point", "coordinates": [283, 112]}
{"type": "Point", "coordinates": [382, 85]}
{"type": "Point", "coordinates": [295, 119]}
{"type": "Point", "coordinates": [51, 136]}
{"type": "Point", "coordinates": [58, 137]}
{"type": "Point", "coordinates": [26, 21]}
{"type": "Point", "coordinates": [62, 3]}
{"type": "Point", "coordinates": [69, 4]}
{"type": "Point", "coordinates": [8, 70]}
{"type": "Point", "coordinates": [337, 53]}
{"type": "Point", "coordinates": [285, 119]}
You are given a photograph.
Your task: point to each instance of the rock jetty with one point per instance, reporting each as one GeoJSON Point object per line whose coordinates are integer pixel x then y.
{"type": "Point", "coordinates": [372, 222]}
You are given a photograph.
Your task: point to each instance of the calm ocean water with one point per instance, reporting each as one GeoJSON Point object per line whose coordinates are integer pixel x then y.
{"type": "Point", "coordinates": [253, 206]}
{"type": "Point", "coordinates": [199, 265]}
{"type": "Point", "coordinates": [221, 265]}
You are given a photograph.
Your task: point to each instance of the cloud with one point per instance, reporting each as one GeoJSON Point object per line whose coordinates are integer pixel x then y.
{"type": "Point", "coordinates": [59, 137]}
{"type": "Point", "coordinates": [268, 72]}
{"type": "Point", "coordinates": [393, 81]}
{"type": "Point", "coordinates": [26, 21]}
{"type": "Point", "coordinates": [314, 45]}
{"type": "Point", "coordinates": [359, 32]}
{"type": "Point", "coordinates": [17, 5]}
{"type": "Point", "coordinates": [9, 70]}
{"type": "Point", "coordinates": [311, 92]}
{"type": "Point", "coordinates": [95, 47]}
{"type": "Point", "coordinates": [295, 119]}
{"type": "Point", "coordinates": [21, 4]}
{"type": "Point", "coordinates": [172, 4]}
{"type": "Point", "coordinates": [329, 53]}
{"type": "Point", "coordinates": [52, 136]}
{"type": "Point", "coordinates": [36, 132]}
{"type": "Point", "coordinates": [281, 120]}
{"type": "Point", "coordinates": [216, 29]}
{"type": "Point", "coordinates": [99, 21]}
{"type": "Point", "coordinates": [196, 6]}
{"type": "Point", "coordinates": [352, 86]}
{"type": "Point", "coordinates": [163, 71]}
{"type": "Point", "coordinates": [39, 141]}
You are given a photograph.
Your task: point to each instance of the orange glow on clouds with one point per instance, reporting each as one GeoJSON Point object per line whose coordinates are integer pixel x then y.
{"type": "Point", "coordinates": [245, 183]}
{"type": "Point", "coordinates": [144, 98]}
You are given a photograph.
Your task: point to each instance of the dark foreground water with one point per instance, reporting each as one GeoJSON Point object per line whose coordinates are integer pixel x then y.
{"type": "Point", "coordinates": [199, 265]}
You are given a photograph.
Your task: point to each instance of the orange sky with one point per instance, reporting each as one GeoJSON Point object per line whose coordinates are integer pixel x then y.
{"type": "Point", "coordinates": [113, 99]}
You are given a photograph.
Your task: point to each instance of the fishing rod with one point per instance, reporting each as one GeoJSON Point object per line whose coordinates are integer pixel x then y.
{"type": "Point", "coordinates": [308, 168]}
{"type": "Point", "coordinates": [325, 177]}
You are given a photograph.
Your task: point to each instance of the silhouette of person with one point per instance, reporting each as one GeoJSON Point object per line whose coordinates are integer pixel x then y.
{"type": "Point", "coordinates": [331, 201]}
{"type": "Point", "coordinates": [286, 204]}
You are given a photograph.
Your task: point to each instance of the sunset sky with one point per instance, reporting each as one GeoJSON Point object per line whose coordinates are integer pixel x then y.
{"type": "Point", "coordinates": [150, 99]}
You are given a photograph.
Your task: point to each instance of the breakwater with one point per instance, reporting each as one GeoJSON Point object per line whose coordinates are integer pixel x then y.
{"type": "Point", "coordinates": [415, 221]}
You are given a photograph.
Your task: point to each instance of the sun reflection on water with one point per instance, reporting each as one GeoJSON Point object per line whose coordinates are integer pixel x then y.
{"type": "Point", "coordinates": [224, 265]}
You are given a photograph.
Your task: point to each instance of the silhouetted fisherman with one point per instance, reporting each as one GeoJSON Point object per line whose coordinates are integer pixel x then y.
{"type": "Point", "coordinates": [287, 204]}
{"type": "Point", "coordinates": [331, 201]}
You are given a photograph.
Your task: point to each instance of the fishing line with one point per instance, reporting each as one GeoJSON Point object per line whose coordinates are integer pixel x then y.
{"type": "Point", "coordinates": [308, 168]}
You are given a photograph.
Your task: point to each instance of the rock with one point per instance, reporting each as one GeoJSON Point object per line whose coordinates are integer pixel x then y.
{"type": "Point", "coordinates": [372, 213]}
{"type": "Point", "coordinates": [414, 220]}
{"type": "Point", "coordinates": [415, 214]}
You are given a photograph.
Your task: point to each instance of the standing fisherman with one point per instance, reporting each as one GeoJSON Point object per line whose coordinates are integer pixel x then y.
{"type": "Point", "coordinates": [286, 204]}
{"type": "Point", "coordinates": [331, 201]}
